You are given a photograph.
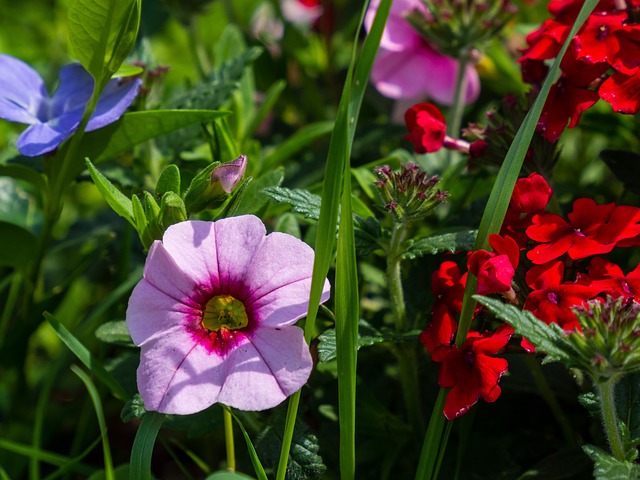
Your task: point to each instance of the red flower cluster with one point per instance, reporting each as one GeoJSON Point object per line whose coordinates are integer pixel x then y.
{"type": "Point", "coordinates": [603, 61]}
{"type": "Point", "coordinates": [556, 277]}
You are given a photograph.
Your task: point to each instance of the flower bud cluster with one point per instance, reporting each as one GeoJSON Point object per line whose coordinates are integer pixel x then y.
{"type": "Point", "coordinates": [609, 343]}
{"type": "Point", "coordinates": [459, 25]}
{"type": "Point", "coordinates": [409, 194]}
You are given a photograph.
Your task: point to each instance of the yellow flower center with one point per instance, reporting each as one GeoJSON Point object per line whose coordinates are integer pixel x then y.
{"type": "Point", "coordinates": [224, 311]}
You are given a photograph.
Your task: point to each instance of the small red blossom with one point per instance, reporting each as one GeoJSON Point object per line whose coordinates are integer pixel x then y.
{"type": "Point", "coordinates": [609, 278]}
{"type": "Point", "coordinates": [447, 284]}
{"type": "Point", "coordinates": [592, 229]}
{"type": "Point", "coordinates": [551, 298]}
{"type": "Point", "coordinates": [495, 269]}
{"type": "Point", "coordinates": [627, 58]}
{"type": "Point", "coordinates": [472, 372]}
{"type": "Point", "coordinates": [531, 194]}
{"type": "Point", "coordinates": [597, 42]}
{"type": "Point", "coordinates": [622, 92]}
{"type": "Point", "coordinates": [427, 127]}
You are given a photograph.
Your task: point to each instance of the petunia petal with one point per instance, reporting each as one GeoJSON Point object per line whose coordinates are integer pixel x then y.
{"type": "Point", "coordinates": [178, 375]}
{"type": "Point", "coordinates": [113, 102]}
{"type": "Point", "coordinates": [264, 372]}
{"type": "Point", "coordinates": [22, 91]}
{"type": "Point", "coordinates": [152, 313]}
{"type": "Point", "coordinates": [279, 279]}
{"type": "Point", "coordinates": [398, 33]}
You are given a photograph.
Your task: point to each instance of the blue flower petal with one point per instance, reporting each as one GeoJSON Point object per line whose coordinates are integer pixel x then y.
{"type": "Point", "coordinates": [74, 90]}
{"type": "Point", "coordinates": [22, 91]}
{"type": "Point", "coordinates": [114, 101]}
{"type": "Point", "coordinates": [45, 137]}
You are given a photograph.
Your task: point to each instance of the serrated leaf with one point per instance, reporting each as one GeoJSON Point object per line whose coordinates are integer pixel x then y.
{"type": "Point", "coordinates": [434, 244]}
{"type": "Point", "coordinates": [302, 201]}
{"type": "Point", "coordinates": [115, 332]}
{"type": "Point", "coordinates": [367, 336]}
{"type": "Point", "coordinates": [609, 468]}
{"type": "Point", "coordinates": [18, 246]}
{"type": "Point", "coordinates": [547, 338]}
{"type": "Point", "coordinates": [368, 233]}
{"type": "Point", "coordinates": [133, 409]}
{"type": "Point", "coordinates": [102, 33]}
{"type": "Point", "coordinates": [116, 200]}
{"type": "Point", "coordinates": [625, 166]}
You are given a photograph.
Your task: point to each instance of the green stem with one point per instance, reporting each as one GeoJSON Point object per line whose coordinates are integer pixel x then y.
{"type": "Point", "coordinates": [550, 398]}
{"type": "Point", "coordinates": [228, 438]}
{"type": "Point", "coordinates": [457, 109]}
{"type": "Point", "coordinates": [394, 276]}
{"type": "Point", "coordinates": [433, 446]}
{"type": "Point", "coordinates": [610, 417]}
{"type": "Point", "coordinates": [292, 412]}
{"type": "Point", "coordinates": [9, 307]}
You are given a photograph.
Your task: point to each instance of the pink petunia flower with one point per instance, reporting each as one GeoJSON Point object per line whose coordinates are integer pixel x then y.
{"type": "Point", "coordinates": [214, 317]}
{"type": "Point", "coordinates": [407, 67]}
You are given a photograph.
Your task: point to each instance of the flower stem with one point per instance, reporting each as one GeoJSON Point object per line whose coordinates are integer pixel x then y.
{"type": "Point", "coordinates": [228, 439]}
{"type": "Point", "coordinates": [455, 114]}
{"type": "Point", "coordinates": [394, 276]}
{"type": "Point", "coordinates": [606, 394]}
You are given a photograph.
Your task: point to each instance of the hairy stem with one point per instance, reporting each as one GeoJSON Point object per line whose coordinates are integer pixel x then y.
{"type": "Point", "coordinates": [606, 394]}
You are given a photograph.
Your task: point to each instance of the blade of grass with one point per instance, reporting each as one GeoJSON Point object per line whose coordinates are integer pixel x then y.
{"type": "Point", "coordinates": [491, 222]}
{"type": "Point", "coordinates": [140, 465]}
{"type": "Point", "coordinates": [44, 456]}
{"type": "Point", "coordinates": [337, 163]}
{"type": "Point", "coordinates": [253, 455]}
{"type": "Point", "coordinates": [68, 467]}
{"type": "Point", "coordinates": [85, 356]}
{"type": "Point", "coordinates": [109, 473]}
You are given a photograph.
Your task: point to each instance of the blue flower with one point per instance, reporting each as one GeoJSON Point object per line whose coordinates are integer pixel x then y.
{"type": "Point", "coordinates": [24, 99]}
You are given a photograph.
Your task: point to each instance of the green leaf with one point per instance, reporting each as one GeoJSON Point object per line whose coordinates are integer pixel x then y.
{"type": "Point", "coordinates": [115, 332]}
{"type": "Point", "coordinates": [102, 33]}
{"type": "Point", "coordinates": [625, 166]}
{"type": "Point", "coordinates": [22, 172]}
{"type": "Point", "coordinates": [116, 200]}
{"type": "Point", "coordinates": [85, 356]}
{"type": "Point", "coordinates": [142, 450]}
{"type": "Point", "coordinates": [169, 181]}
{"type": "Point", "coordinates": [137, 127]}
{"type": "Point", "coordinates": [255, 461]}
{"type": "Point", "coordinates": [368, 235]}
{"type": "Point", "coordinates": [302, 201]}
{"type": "Point", "coordinates": [225, 475]}
{"type": "Point", "coordinates": [547, 338]}
{"type": "Point", "coordinates": [18, 246]}
{"type": "Point", "coordinates": [434, 244]}
{"type": "Point", "coordinates": [627, 395]}
{"type": "Point", "coordinates": [609, 468]}
{"type": "Point", "coordinates": [134, 409]}
{"type": "Point", "coordinates": [48, 457]}
{"type": "Point", "coordinates": [254, 198]}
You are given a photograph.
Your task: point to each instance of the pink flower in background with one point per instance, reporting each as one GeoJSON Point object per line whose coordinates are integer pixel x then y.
{"type": "Point", "coordinates": [407, 67]}
{"type": "Point", "coordinates": [301, 12]}
{"type": "Point", "coordinates": [214, 317]}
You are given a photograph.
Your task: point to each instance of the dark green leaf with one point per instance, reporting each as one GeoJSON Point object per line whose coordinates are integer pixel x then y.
{"type": "Point", "coordinates": [547, 338]}
{"type": "Point", "coordinates": [143, 445]}
{"type": "Point", "coordinates": [115, 332]}
{"type": "Point", "coordinates": [434, 244]}
{"type": "Point", "coordinates": [133, 409]}
{"type": "Point", "coordinates": [102, 33]}
{"type": "Point", "coordinates": [628, 405]}
{"type": "Point", "coordinates": [625, 166]}
{"type": "Point", "coordinates": [169, 181]}
{"type": "Point", "coordinates": [368, 234]}
{"type": "Point", "coordinates": [565, 464]}
{"type": "Point", "coordinates": [23, 172]}
{"type": "Point", "coordinates": [225, 475]}
{"type": "Point", "coordinates": [608, 468]}
{"type": "Point", "coordinates": [301, 201]}
{"type": "Point", "coordinates": [116, 200]}
{"type": "Point", "coordinates": [255, 461]}
{"type": "Point", "coordinates": [18, 246]}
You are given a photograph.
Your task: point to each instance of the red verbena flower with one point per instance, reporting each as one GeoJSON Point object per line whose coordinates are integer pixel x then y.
{"type": "Point", "coordinates": [472, 372]}
{"type": "Point", "coordinates": [609, 278]}
{"type": "Point", "coordinates": [551, 298]}
{"type": "Point", "coordinates": [592, 229]}
{"type": "Point", "coordinates": [447, 284]}
{"type": "Point", "coordinates": [427, 127]}
{"type": "Point", "coordinates": [495, 269]}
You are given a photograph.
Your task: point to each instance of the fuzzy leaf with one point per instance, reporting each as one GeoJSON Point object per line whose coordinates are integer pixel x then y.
{"type": "Point", "coordinates": [547, 338]}
{"type": "Point", "coordinates": [302, 201]}
{"type": "Point", "coordinates": [169, 181]}
{"type": "Point", "coordinates": [115, 332]}
{"type": "Point", "coordinates": [434, 244]}
{"type": "Point", "coordinates": [609, 468]}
